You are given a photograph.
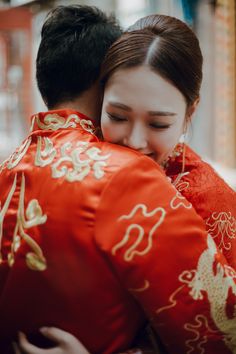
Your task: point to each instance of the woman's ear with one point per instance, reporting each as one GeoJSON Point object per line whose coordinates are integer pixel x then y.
{"type": "Point", "coordinates": [192, 108]}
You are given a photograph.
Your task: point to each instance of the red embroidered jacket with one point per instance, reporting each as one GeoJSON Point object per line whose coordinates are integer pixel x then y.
{"type": "Point", "coordinates": [211, 197]}
{"type": "Point", "coordinates": [94, 240]}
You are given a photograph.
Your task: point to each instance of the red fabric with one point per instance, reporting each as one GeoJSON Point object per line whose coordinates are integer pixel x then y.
{"type": "Point", "coordinates": [89, 221]}
{"type": "Point", "coordinates": [211, 197]}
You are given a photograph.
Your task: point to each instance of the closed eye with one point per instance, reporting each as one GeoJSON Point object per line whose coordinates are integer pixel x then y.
{"type": "Point", "coordinates": [116, 118]}
{"type": "Point", "coordinates": [159, 126]}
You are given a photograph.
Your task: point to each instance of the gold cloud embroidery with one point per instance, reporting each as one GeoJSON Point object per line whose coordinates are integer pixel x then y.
{"type": "Point", "coordinates": [53, 121]}
{"type": "Point", "coordinates": [44, 156]}
{"type": "Point", "coordinates": [138, 232]}
{"type": "Point", "coordinates": [75, 164]}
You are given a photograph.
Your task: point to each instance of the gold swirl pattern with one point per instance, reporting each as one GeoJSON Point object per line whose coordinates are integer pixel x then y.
{"type": "Point", "coordinates": [17, 156]}
{"type": "Point", "coordinates": [195, 344]}
{"type": "Point", "coordinates": [44, 156]}
{"type": "Point", "coordinates": [179, 200]}
{"type": "Point", "coordinates": [222, 225]}
{"type": "Point", "coordinates": [172, 301]}
{"type": "Point", "coordinates": [4, 210]}
{"type": "Point", "coordinates": [181, 185]}
{"type": "Point", "coordinates": [3, 165]}
{"type": "Point", "coordinates": [87, 125]}
{"type": "Point", "coordinates": [139, 230]}
{"type": "Point", "coordinates": [33, 216]}
{"type": "Point", "coordinates": [53, 121]}
{"type": "Point", "coordinates": [143, 288]}
{"type": "Point", "coordinates": [71, 165]}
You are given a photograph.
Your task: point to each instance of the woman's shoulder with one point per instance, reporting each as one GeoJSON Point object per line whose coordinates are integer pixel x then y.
{"type": "Point", "coordinates": [200, 174]}
{"type": "Point", "coordinates": [202, 185]}
{"type": "Point", "coordinates": [203, 176]}
{"type": "Point", "coordinates": [214, 201]}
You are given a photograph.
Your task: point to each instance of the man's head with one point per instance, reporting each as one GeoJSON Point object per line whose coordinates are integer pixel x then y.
{"type": "Point", "coordinates": [74, 42]}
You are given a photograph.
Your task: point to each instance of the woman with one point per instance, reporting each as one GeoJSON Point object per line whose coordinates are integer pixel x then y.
{"type": "Point", "coordinates": [160, 62]}
{"type": "Point", "coordinates": [152, 77]}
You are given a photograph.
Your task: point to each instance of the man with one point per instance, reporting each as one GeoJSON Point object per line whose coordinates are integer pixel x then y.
{"type": "Point", "coordinates": [89, 231]}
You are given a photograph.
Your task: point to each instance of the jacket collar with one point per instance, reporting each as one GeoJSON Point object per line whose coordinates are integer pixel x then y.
{"type": "Point", "coordinates": [61, 119]}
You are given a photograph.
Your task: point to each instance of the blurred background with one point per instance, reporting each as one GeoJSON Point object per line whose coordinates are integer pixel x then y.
{"type": "Point", "coordinates": [213, 132]}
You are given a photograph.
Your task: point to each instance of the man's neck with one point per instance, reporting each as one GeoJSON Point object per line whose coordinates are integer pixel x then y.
{"type": "Point", "coordinates": [88, 103]}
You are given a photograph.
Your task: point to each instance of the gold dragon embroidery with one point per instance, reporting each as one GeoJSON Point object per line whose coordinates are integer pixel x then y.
{"type": "Point", "coordinates": [217, 282]}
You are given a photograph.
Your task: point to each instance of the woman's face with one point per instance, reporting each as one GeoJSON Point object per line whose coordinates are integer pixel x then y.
{"type": "Point", "coordinates": [143, 111]}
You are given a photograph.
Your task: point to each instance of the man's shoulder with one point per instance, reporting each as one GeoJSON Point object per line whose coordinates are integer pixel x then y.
{"type": "Point", "coordinates": [121, 157]}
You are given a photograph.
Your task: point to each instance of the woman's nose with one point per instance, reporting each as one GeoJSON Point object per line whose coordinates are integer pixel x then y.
{"type": "Point", "coordinates": [136, 139]}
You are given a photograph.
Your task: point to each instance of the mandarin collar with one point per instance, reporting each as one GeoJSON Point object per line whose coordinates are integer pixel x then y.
{"type": "Point", "coordinates": [61, 119]}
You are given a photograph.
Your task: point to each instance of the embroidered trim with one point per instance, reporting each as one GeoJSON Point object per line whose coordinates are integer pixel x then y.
{"type": "Point", "coordinates": [222, 225]}
{"type": "Point", "coordinates": [32, 124]}
{"type": "Point", "coordinates": [87, 125]}
{"type": "Point", "coordinates": [18, 155]}
{"type": "Point", "coordinates": [3, 165]}
{"type": "Point", "coordinates": [32, 217]}
{"type": "Point", "coordinates": [132, 250]}
{"type": "Point", "coordinates": [53, 121]}
{"type": "Point", "coordinates": [4, 210]}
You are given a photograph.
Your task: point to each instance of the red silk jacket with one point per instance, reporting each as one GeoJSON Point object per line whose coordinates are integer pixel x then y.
{"type": "Point", "coordinates": [95, 241]}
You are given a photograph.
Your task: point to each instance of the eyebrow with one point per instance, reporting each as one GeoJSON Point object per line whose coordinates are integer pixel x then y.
{"type": "Point", "coordinates": [151, 113]}
{"type": "Point", "coordinates": [120, 105]}
{"type": "Point", "coordinates": [161, 113]}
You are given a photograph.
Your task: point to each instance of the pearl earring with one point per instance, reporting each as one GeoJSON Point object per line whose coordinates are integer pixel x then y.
{"type": "Point", "coordinates": [182, 138]}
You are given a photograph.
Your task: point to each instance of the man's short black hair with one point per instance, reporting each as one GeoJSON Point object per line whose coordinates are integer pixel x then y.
{"type": "Point", "coordinates": [74, 42]}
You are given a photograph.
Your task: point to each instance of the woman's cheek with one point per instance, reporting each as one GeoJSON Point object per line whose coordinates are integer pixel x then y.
{"type": "Point", "coordinates": [110, 133]}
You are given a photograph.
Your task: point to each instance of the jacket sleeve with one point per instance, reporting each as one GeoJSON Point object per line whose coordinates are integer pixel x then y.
{"type": "Point", "coordinates": [159, 248]}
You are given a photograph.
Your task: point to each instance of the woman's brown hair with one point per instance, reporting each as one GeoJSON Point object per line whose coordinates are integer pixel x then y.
{"type": "Point", "coordinates": [165, 44]}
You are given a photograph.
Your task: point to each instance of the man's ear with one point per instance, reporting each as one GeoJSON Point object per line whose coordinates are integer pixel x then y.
{"type": "Point", "coordinates": [192, 108]}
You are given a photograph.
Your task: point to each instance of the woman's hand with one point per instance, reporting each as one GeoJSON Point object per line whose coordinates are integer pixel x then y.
{"type": "Point", "coordinates": [66, 343]}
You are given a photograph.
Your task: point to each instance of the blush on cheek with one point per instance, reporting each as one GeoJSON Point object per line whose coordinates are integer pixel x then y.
{"type": "Point", "coordinates": [107, 134]}
{"type": "Point", "coordinates": [112, 134]}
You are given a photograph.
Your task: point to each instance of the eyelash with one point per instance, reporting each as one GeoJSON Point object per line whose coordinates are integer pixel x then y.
{"type": "Point", "coordinates": [160, 127]}
{"type": "Point", "coordinates": [118, 119]}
